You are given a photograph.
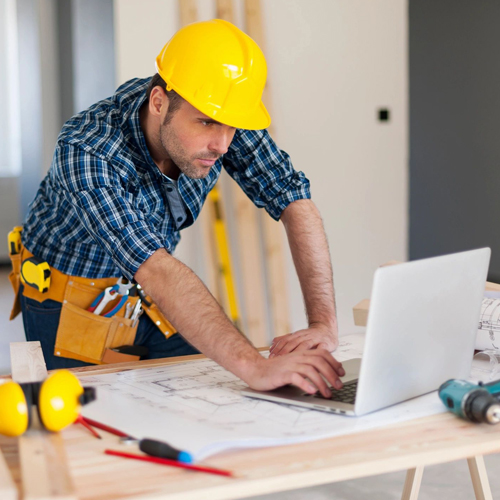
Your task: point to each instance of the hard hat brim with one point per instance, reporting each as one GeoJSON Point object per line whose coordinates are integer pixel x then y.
{"type": "Point", "coordinates": [258, 120]}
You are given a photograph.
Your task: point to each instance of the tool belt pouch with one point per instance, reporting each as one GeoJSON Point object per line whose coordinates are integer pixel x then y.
{"type": "Point", "coordinates": [86, 336]}
{"type": "Point", "coordinates": [14, 281]}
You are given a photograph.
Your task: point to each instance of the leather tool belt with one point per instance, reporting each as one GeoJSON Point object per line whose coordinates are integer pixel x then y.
{"type": "Point", "coordinates": [81, 334]}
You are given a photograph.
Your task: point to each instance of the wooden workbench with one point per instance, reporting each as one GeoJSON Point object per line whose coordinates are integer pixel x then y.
{"type": "Point", "coordinates": [431, 440]}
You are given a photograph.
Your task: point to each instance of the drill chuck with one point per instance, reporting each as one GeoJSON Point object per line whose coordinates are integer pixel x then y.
{"type": "Point", "coordinates": [481, 406]}
{"type": "Point", "coordinates": [493, 414]}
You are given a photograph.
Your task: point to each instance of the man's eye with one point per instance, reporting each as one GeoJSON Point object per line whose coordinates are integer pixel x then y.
{"type": "Point", "coordinates": [205, 123]}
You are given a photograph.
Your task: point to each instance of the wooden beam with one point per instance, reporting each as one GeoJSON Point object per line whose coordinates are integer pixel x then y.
{"type": "Point", "coordinates": [479, 478]}
{"type": "Point", "coordinates": [44, 467]}
{"type": "Point", "coordinates": [272, 230]}
{"type": "Point", "coordinates": [8, 490]}
{"type": "Point", "coordinates": [249, 243]}
{"type": "Point", "coordinates": [27, 362]}
{"type": "Point", "coordinates": [413, 480]}
{"type": "Point", "coordinates": [188, 11]}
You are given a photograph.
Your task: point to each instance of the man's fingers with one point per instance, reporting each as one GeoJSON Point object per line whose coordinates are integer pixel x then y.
{"type": "Point", "coordinates": [326, 371]}
{"type": "Point", "coordinates": [305, 346]}
{"type": "Point", "coordinates": [289, 345]}
{"type": "Point", "coordinates": [277, 342]}
{"type": "Point", "coordinates": [312, 374]}
{"type": "Point", "coordinates": [324, 354]}
{"type": "Point", "coordinates": [302, 383]}
{"type": "Point", "coordinates": [278, 348]}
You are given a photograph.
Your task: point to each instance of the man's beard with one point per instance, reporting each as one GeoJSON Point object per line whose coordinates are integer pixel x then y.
{"type": "Point", "coordinates": [181, 159]}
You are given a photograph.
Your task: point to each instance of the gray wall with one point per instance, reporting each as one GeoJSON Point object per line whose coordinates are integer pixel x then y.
{"type": "Point", "coordinates": [70, 48]}
{"type": "Point", "coordinates": [455, 127]}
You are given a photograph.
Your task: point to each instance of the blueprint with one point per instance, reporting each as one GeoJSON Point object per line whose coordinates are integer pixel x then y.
{"type": "Point", "coordinates": [488, 334]}
{"type": "Point", "coordinates": [197, 406]}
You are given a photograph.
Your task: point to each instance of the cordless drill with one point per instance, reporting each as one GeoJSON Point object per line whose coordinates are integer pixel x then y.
{"type": "Point", "coordinates": [474, 402]}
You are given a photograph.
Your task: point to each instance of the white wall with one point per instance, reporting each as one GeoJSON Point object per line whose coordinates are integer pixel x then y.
{"type": "Point", "coordinates": [332, 64]}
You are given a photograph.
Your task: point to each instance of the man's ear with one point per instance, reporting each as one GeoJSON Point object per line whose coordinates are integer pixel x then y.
{"type": "Point", "coordinates": [157, 100]}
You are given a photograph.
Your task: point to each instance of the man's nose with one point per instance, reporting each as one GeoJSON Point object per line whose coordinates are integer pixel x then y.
{"type": "Point", "coordinates": [221, 141]}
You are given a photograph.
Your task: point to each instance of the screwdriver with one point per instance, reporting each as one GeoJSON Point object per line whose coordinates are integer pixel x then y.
{"type": "Point", "coordinates": [160, 449]}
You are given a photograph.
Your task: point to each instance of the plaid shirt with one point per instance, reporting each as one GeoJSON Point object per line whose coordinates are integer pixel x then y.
{"type": "Point", "coordinates": [105, 207]}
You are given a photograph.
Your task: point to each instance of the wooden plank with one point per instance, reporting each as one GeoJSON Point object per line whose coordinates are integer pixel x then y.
{"type": "Point", "coordinates": [225, 10]}
{"type": "Point", "coordinates": [188, 11]}
{"type": "Point", "coordinates": [360, 312]}
{"type": "Point", "coordinates": [8, 490]}
{"type": "Point", "coordinates": [479, 478]}
{"type": "Point", "coordinates": [413, 480]}
{"type": "Point", "coordinates": [271, 230]}
{"type": "Point", "coordinates": [27, 362]}
{"type": "Point", "coordinates": [44, 467]}
{"type": "Point", "coordinates": [249, 239]}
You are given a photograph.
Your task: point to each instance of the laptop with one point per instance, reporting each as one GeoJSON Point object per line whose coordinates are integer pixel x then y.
{"type": "Point", "coordinates": [421, 332]}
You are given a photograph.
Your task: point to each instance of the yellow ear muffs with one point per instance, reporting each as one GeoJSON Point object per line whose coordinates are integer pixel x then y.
{"type": "Point", "coordinates": [14, 409]}
{"type": "Point", "coordinates": [59, 400]}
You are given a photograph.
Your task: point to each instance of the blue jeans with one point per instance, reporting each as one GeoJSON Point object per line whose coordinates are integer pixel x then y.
{"type": "Point", "coordinates": [41, 320]}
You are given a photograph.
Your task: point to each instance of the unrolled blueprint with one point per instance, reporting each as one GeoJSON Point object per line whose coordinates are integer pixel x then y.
{"type": "Point", "coordinates": [197, 406]}
{"type": "Point", "coordinates": [488, 334]}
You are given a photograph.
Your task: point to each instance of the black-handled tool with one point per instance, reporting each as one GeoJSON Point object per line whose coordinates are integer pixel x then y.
{"type": "Point", "coordinates": [160, 449]}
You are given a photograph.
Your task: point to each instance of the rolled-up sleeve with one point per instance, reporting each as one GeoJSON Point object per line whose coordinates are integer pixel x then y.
{"type": "Point", "coordinates": [107, 209]}
{"type": "Point", "coordinates": [264, 172]}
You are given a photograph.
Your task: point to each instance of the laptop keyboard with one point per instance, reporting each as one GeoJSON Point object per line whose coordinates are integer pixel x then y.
{"type": "Point", "coordinates": [345, 395]}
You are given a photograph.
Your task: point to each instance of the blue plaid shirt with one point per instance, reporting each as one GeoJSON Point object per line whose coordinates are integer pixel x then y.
{"type": "Point", "coordinates": [105, 207]}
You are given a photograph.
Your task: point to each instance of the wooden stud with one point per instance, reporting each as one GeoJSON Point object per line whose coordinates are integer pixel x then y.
{"type": "Point", "coordinates": [272, 230]}
{"type": "Point", "coordinates": [479, 478]}
{"type": "Point", "coordinates": [27, 362]}
{"type": "Point", "coordinates": [8, 490]}
{"type": "Point", "coordinates": [249, 239]}
{"type": "Point", "coordinates": [44, 466]}
{"type": "Point", "coordinates": [413, 480]}
{"type": "Point", "coordinates": [188, 11]}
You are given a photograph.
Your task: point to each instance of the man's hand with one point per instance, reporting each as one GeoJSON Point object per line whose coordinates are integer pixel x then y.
{"type": "Point", "coordinates": [307, 370]}
{"type": "Point", "coordinates": [314, 337]}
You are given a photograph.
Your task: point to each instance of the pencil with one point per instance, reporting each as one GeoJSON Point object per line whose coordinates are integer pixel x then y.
{"type": "Point", "coordinates": [172, 463]}
{"type": "Point", "coordinates": [104, 427]}
{"type": "Point", "coordinates": [81, 420]}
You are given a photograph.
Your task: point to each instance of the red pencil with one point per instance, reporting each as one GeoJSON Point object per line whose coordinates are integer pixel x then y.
{"type": "Point", "coordinates": [104, 427]}
{"type": "Point", "coordinates": [173, 463]}
{"type": "Point", "coordinates": [81, 420]}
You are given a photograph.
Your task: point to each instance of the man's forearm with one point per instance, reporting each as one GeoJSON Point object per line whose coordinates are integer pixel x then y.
{"type": "Point", "coordinates": [309, 247]}
{"type": "Point", "coordinates": [189, 306]}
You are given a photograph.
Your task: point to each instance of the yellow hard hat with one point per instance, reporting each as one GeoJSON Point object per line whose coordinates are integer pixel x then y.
{"type": "Point", "coordinates": [219, 70]}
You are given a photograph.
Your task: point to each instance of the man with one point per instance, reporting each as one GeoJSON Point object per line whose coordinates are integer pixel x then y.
{"type": "Point", "coordinates": [132, 171]}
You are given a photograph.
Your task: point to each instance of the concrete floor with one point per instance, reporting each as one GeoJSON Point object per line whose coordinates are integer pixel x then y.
{"type": "Point", "coordinates": [449, 481]}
